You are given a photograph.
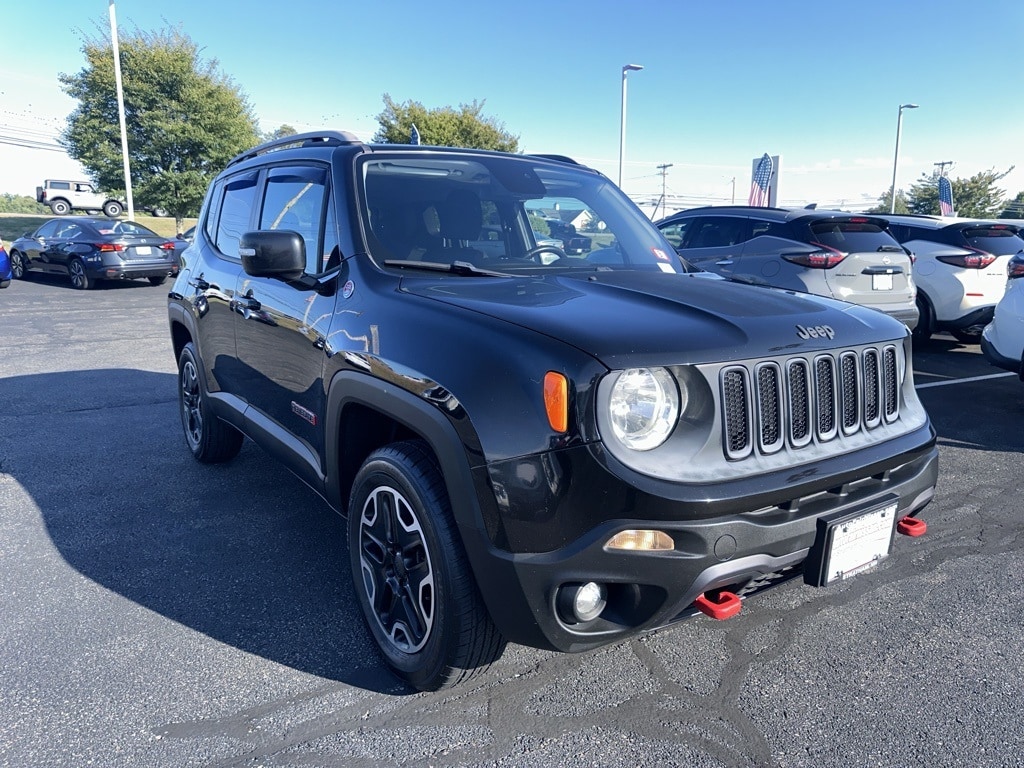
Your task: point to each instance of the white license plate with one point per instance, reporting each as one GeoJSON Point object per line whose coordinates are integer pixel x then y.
{"type": "Point", "coordinates": [859, 543]}
{"type": "Point", "coordinates": [881, 282]}
{"type": "Point", "coordinates": [143, 250]}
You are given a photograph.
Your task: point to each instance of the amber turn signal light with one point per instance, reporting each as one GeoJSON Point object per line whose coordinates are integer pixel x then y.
{"type": "Point", "coordinates": [556, 400]}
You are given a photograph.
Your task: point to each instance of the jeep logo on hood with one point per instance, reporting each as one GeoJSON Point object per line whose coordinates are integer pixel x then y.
{"type": "Point", "coordinates": [816, 332]}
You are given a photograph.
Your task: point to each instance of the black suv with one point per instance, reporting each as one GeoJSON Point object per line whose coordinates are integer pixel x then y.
{"type": "Point", "coordinates": [554, 450]}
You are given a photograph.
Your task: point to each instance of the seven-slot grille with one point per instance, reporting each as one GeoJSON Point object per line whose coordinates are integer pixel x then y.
{"type": "Point", "coordinates": [768, 404]}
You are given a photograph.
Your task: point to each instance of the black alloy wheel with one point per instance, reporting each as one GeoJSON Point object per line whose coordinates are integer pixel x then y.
{"type": "Point", "coordinates": [210, 439]}
{"type": "Point", "coordinates": [411, 573]}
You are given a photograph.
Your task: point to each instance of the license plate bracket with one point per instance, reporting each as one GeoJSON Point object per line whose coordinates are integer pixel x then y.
{"type": "Point", "coordinates": [850, 542]}
{"type": "Point", "coordinates": [881, 282]}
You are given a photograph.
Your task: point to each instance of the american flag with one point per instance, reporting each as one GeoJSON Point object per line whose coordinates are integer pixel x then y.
{"type": "Point", "coordinates": [759, 186]}
{"type": "Point", "coordinates": [945, 197]}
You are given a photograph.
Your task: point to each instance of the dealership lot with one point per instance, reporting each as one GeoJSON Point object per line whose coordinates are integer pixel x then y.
{"type": "Point", "coordinates": [158, 612]}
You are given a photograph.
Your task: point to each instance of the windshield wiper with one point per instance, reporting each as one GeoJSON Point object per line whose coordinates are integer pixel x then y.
{"type": "Point", "coordinates": [455, 268]}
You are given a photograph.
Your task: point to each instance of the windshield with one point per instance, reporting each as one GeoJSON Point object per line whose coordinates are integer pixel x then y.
{"type": "Point", "coordinates": [507, 214]}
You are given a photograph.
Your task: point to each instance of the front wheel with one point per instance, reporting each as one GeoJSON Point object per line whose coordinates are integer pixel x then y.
{"type": "Point", "coordinates": [112, 209]}
{"type": "Point", "coordinates": [411, 575]}
{"type": "Point", "coordinates": [211, 440]}
{"type": "Point", "coordinates": [79, 277]}
{"type": "Point", "coordinates": [17, 265]}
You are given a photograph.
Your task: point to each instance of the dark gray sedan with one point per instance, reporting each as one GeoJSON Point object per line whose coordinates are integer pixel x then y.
{"type": "Point", "coordinates": [88, 249]}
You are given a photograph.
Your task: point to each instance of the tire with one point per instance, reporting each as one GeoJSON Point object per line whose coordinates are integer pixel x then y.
{"type": "Point", "coordinates": [60, 207]}
{"type": "Point", "coordinates": [79, 277]}
{"type": "Point", "coordinates": [211, 440]}
{"type": "Point", "coordinates": [112, 209]}
{"type": "Point", "coordinates": [923, 331]}
{"type": "Point", "coordinates": [158, 280]}
{"type": "Point", "coordinates": [160, 213]}
{"type": "Point", "coordinates": [966, 336]}
{"type": "Point", "coordinates": [411, 575]}
{"type": "Point", "coordinates": [18, 270]}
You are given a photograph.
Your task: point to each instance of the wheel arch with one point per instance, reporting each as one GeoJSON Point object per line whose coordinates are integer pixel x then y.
{"type": "Point", "coordinates": [364, 413]}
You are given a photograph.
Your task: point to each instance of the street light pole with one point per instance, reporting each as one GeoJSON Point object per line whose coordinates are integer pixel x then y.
{"type": "Point", "coordinates": [896, 157]}
{"type": "Point", "coordinates": [120, 112]}
{"type": "Point", "coordinates": [622, 125]}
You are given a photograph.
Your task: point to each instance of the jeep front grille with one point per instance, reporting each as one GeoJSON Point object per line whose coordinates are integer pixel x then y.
{"type": "Point", "coordinates": [766, 405]}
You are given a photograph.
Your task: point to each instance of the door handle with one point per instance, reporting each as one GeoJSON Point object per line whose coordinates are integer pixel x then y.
{"type": "Point", "coordinates": [199, 284]}
{"type": "Point", "coordinates": [724, 263]}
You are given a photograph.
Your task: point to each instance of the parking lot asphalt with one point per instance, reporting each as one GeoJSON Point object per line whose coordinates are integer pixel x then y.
{"type": "Point", "coordinates": [159, 612]}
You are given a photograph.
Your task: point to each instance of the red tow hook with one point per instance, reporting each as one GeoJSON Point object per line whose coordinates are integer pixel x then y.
{"type": "Point", "coordinates": [722, 606]}
{"type": "Point", "coordinates": [911, 526]}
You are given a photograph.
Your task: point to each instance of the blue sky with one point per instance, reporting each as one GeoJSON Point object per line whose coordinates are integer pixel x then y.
{"type": "Point", "coordinates": [817, 83]}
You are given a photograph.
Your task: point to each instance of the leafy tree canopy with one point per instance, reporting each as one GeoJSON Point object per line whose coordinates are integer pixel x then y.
{"type": "Point", "coordinates": [20, 204]}
{"type": "Point", "coordinates": [443, 127]}
{"type": "Point", "coordinates": [977, 197]}
{"type": "Point", "coordinates": [885, 203]}
{"type": "Point", "coordinates": [280, 132]}
{"type": "Point", "coordinates": [184, 119]}
{"type": "Point", "coordinates": [1014, 208]}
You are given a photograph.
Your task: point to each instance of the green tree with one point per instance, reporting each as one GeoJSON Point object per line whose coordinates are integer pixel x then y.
{"type": "Point", "coordinates": [885, 202]}
{"type": "Point", "coordinates": [1014, 208]}
{"type": "Point", "coordinates": [977, 197]}
{"type": "Point", "coordinates": [280, 132]}
{"type": "Point", "coordinates": [20, 204]}
{"type": "Point", "coordinates": [185, 119]}
{"type": "Point", "coordinates": [443, 127]}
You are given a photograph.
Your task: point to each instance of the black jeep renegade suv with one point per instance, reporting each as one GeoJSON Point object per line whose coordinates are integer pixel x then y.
{"type": "Point", "coordinates": [531, 446]}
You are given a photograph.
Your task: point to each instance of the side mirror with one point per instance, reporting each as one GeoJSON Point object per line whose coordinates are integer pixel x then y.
{"type": "Point", "coordinates": [273, 253]}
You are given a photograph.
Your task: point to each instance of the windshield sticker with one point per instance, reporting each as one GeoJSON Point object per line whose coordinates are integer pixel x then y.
{"type": "Point", "coordinates": [667, 268]}
{"type": "Point", "coordinates": [659, 254]}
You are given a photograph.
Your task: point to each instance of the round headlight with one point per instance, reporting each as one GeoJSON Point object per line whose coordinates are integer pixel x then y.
{"type": "Point", "coordinates": [644, 406]}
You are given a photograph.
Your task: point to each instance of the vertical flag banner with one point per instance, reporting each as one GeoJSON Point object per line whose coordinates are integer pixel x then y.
{"type": "Point", "coordinates": [945, 196]}
{"type": "Point", "coordinates": [414, 137]}
{"type": "Point", "coordinates": [759, 185]}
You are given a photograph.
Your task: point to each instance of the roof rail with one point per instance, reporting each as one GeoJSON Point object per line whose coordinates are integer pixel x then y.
{"type": "Point", "coordinates": [559, 158]}
{"type": "Point", "coordinates": [311, 139]}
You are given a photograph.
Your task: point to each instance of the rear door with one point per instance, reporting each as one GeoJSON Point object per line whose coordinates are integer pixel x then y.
{"type": "Point", "coordinates": [715, 243]}
{"type": "Point", "coordinates": [875, 270]}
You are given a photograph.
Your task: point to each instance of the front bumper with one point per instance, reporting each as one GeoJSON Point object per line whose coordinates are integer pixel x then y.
{"type": "Point", "coordinates": [743, 546]}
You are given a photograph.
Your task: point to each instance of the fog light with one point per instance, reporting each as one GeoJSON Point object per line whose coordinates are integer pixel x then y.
{"type": "Point", "coordinates": [644, 541]}
{"type": "Point", "coordinates": [579, 603]}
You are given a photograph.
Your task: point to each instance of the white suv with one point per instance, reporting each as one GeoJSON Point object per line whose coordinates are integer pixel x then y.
{"type": "Point", "coordinates": [960, 270]}
{"type": "Point", "coordinates": [64, 196]}
{"type": "Point", "coordinates": [1002, 341]}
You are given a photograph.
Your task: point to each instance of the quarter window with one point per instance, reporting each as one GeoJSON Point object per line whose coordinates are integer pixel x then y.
{"type": "Point", "coordinates": [235, 213]}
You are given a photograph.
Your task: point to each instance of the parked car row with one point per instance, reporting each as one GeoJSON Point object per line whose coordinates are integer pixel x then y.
{"type": "Point", "coordinates": [932, 273]}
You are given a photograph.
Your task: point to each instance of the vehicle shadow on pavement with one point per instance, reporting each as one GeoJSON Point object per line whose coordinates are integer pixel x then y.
{"type": "Point", "coordinates": [243, 553]}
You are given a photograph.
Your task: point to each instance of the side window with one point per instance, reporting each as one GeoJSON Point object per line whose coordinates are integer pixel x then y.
{"type": "Point", "coordinates": [49, 229]}
{"type": "Point", "coordinates": [761, 228]}
{"type": "Point", "coordinates": [70, 230]}
{"type": "Point", "coordinates": [83, 188]}
{"type": "Point", "coordinates": [294, 199]}
{"type": "Point", "coordinates": [717, 232]}
{"type": "Point", "coordinates": [64, 185]}
{"type": "Point", "coordinates": [235, 213]}
{"type": "Point", "coordinates": [675, 232]}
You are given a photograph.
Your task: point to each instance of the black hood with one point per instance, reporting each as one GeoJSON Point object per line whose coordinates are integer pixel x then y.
{"type": "Point", "coordinates": [628, 318]}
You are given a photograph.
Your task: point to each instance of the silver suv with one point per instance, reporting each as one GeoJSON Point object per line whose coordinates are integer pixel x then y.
{"type": "Point", "coordinates": [64, 196]}
{"type": "Point", "coordinates": [844, 256]}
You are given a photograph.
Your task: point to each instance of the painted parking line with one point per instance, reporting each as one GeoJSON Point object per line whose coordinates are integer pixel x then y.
{"type": "Point", "coordinates": [963, 381]}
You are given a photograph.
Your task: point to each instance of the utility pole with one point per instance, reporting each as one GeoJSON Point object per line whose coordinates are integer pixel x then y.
{"type": "Point", "coordinates": [942, 166]}
{"type": "Point", "coordinates": [663, 202]}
